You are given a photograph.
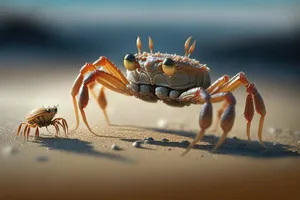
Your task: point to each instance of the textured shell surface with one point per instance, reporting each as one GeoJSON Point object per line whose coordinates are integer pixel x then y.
{"type": "Point", "coordinates": [41, 115]}
{"type": "Point", "coordinates": [189, 72]}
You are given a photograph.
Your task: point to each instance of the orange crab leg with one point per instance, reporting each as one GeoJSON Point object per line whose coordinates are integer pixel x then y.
{"type": "Point", "coordinates": [259, 107]}
{"type": "Point", "coordinates": [237, 81]}
{"type": "Point", "coordinates": [19, 128]}
{"type": "Point", "coordinates": [37, 132]}
{"type": "Point", "coordinates": [111, 68]}
{"type": "Point", "coordinates": [112, 83]}
{"type": "Point", "coordinates": [227, 119]}
{"type": "Point", "coordinates": [205, 120]}
{"type": "Point", "coordinates": [25, 130]}
{"type": "Point", "coordinates": [249, 113]}
{"type": "Point", "coordinates": [101, 100]}
{"type": "Point", "coordinates": [28, 132]}
{"type": "Point", "coordinates": [64, 128]}
{"type": "Point", "coordinates": [76, 86]}
{"type": "Point", "coordinates": [219, 114]}
{"type": "Point", "coordinates": [56, 128]}
{"type": "Point", "coordinates": [218, 83]}
{"type": "Point", "coordinates": [64, 123]}
{"type": "Point", "coordinates": [107, 80]}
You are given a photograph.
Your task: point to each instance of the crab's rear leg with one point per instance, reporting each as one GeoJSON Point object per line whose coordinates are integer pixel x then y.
{"type": "Point", "coordinates": [105, 79]}
{"type": "Point", "coordinates": [237, 81]}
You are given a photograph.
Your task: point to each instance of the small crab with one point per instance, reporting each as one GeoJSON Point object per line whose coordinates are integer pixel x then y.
{"type": "Point", "coordinates": [174, 79]}
{"type": "Point", "coordinates": [41, 117]}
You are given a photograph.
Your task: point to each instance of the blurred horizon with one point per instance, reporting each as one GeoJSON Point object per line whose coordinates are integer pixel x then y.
{"type": "Point", "coordinates": [236, 35]}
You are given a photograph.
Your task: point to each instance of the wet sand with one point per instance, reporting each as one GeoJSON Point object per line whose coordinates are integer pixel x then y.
{"type": "Point", "coordinates": [83, 165]}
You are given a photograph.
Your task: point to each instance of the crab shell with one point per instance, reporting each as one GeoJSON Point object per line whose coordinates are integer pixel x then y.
{"type": "Point", "coordinates": [41, 116]}
{"type": "Point", "coordinates": [189, 72]}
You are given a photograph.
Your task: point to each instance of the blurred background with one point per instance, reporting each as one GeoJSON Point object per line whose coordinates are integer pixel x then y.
{"type": "Point", "coordinates": [47, 39]}
{"type": "Point", "coordinates": [236, 34]}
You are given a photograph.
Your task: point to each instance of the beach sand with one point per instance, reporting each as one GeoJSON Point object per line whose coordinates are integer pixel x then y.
{"type": "Point", "coordinates": [83, 165]}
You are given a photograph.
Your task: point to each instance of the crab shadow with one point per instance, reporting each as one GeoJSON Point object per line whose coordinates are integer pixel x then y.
{"type": "Point", "coordinates": [231, 146]}
{"type": "Point", "coordinates": [80, 147]}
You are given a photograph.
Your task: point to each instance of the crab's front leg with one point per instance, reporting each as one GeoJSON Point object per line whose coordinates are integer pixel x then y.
{"type": "Point", "coordinates": [76, 86]}
{"type": "Point", "coordinates": [205, 118]}
{"type": "Point", "coordinates": [107, 80]}
{"type": "Point", "coordinates": [109, 68]}
{"type": "Point", "coordinates": [63, 124]}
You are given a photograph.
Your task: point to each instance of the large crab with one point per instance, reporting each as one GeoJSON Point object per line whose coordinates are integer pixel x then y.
{"type": "Point", "coordinates": [174, 79]}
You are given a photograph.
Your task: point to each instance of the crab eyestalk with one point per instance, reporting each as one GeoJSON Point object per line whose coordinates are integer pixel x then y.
{"type": "Point", "coordinates": [139, 44]}
{"type": "Point", "coordinates": [150, 44]}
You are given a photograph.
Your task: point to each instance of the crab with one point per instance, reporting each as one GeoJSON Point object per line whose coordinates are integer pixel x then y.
{"type": "Point", "coordinates": [173, 79]}
{"type": "Point", "coordinates": [42, 117]}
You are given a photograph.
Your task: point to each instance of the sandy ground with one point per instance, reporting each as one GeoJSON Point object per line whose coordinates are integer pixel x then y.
{"type": "Point", "coordinates": [83, 164]}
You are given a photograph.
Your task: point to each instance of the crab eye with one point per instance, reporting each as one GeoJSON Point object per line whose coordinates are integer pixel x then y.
{"type": "Point", "coordinates": [55, 109]}
{"type": "Point", "coordinates": [48, 110]}
{"type": "Point", "coordinates": [168, 66]}
{"type": "Point", "coordinates": [130, 62]}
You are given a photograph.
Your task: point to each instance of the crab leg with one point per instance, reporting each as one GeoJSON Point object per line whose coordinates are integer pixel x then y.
{"type": "Point", "coordinates": [219, 114]}
{"type": "Point", "coordinates": [64, 124]}
{"type": "Point", "coordinates": [259, 107]}
{"type": "Point", "coordinates": [76, 86]}
{"type": "Point", "coordinates": [227, 119]}
{"type": "Point", "coordinates": [56, 128]}
{"type": "Point", "coordinates": [221, 81]}
{"type": "Point", "coordinates": [249, 113]}
{"type": "Point", "coordinates": [111, 69]}
{"type": "Point", "coordinates": [64, 128]}
{"type": "Point", "coordinates": [37, 133]}
{"type": "Point", "coordinates": [27, 133]}
{"type": "Point", "coordinates": [19, 128]}
{"type": "Point", "coordinates": [101, 100]}
{"type": "Point", "coordinates": [205, 118]}
{"type": "Point", "coordinates": [218, 83]}
{"type": "Point", "coordinates": [107, 80]}
{"type": "Point", "coordinates": [237, 81]}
